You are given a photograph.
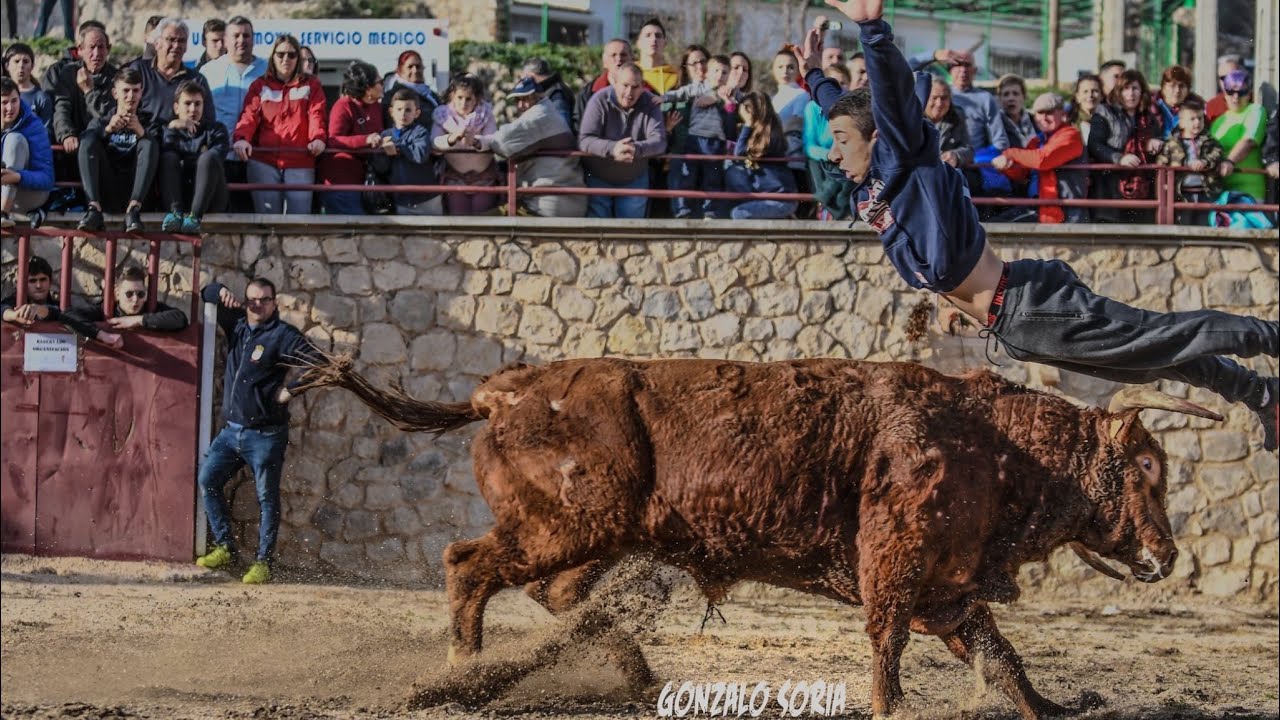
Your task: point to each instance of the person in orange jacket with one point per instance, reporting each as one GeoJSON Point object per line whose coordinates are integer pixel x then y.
{"type": "Point", "coordinates": [283, 109]}
{"type": "Point", "coordinates": [1059, 144]}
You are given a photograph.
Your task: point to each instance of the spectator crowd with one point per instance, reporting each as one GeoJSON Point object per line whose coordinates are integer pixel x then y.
{"type": "Point", "coordinates": [157, 134]}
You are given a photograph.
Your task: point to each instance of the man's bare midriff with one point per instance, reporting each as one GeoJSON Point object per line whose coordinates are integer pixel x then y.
{"type": "Point", "coordinates": [973, 296]}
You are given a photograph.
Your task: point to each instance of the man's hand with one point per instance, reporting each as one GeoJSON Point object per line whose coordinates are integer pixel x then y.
{"type": "Point", "coordinates": [118, 122]}
{"type": "Point", "coordinates": [115, 341]}
{"type": "Point", "coordinates": [9, 177]}
{"type": "Point", "coordinates": [624, 150]}
{"type": "Point", "coordinates": [27, 314]}
{"type": "Point", "coordinates": [673, 119]}
{"type": "Point", "coordinates": [1000, 162]}
{"type": "Point", "coordinates": [315, 147]}
{"type": "Point", "coordinates": [953, 160]}
{"type": "Point", "coordinates": [1274, 169]}
{"type": "Point", "coordinates": [83, 80]}
{"type": "Point", "coordinates": [1154, 145]}
{"type": "Point", "coordinates": [809, 54]}
{"type": "Point", "coordinates": [228, 298]}
{"type": "Point", "coordinates": [1198, 165]}
{"type": "Point", "coordinates": [188, 125]}
{"type": "Point", "coordinates": [243, 149]}
{"type": "Point", "coordinates": [949, 57]}
{"type": "Point", "coordinates": [71, 144]}
{"type": "Point", "coordinates": [859, 10]}
{"type": "Point", "coordinates": [284, 396]}
{"type": "Point", "coordinates": [127, 322]}
{"type": "Point", "coordinates": [1130, 160]}
{"type": "Point", "coordinates": [1226, 167]}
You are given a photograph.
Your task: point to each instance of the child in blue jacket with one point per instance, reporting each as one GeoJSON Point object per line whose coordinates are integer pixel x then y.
{"type": "Point", "coordinates": [1038, 309]}
{"type": "Point", "coordinates": [27, 177]}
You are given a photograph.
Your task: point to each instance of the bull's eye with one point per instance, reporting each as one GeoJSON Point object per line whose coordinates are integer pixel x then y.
{"type": "Point", "coordinates": [1147, 464]}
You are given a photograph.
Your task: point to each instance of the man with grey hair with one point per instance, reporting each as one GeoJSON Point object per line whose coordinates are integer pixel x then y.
{"type": "Point", "coordinates": [551, 88]}
{"type": "Point", "coordinates": [617, 52]}
{"type": "Point", "coordinates": [162, 74]}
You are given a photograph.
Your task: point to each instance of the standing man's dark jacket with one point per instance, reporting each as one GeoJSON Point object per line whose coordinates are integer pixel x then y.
{"type": "Point", "coordinates": [258, 360]}
{"type": "Point", "coordinates": [561, 95]}
{"type": "Point", "coordinates": [74, 109]}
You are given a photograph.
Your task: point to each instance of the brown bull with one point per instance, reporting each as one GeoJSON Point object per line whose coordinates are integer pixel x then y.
{"type": "Point", "coordinates": [888, 485]}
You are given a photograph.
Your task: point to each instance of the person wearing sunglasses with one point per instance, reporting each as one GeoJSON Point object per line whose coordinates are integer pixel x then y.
{"type": "Point", "coordinates": [1241, 130]}
{"type": "Point", "coordinates": [282, 129]}
{"type": "Point", "coordinates": [130, 310]}
{"type": "Point", "coordinates": [261, 351]}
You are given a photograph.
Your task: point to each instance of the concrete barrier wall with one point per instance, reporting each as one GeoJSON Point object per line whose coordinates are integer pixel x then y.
{"type": "Point", "coordinates": [439, 308]}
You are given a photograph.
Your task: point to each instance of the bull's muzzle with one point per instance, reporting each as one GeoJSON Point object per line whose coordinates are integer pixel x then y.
{"type": "Point", "coordinates": [1155, 566]}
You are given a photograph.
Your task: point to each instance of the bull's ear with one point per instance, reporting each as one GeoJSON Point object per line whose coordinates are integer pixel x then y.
{"type": "Point", "coordinates": [1119, 426]}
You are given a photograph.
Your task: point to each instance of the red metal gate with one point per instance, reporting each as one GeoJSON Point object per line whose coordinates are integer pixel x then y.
{"type": "Point", "coordinates": [101, 462]}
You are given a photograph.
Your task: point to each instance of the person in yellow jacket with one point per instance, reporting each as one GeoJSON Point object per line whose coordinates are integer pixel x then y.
{"type": "Point", "coordinates": [651, 46]}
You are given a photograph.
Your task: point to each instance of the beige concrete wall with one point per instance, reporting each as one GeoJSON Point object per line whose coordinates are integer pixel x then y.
{"type": "Point", "coordinates": [439, 308]}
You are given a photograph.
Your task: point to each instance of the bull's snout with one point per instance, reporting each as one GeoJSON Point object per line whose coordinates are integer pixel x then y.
{"type": "Point", "coordinates": [1154, 566]}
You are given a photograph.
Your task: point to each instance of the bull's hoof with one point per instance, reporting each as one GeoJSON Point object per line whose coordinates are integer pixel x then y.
{"type": "Point", "coordinates": [1048, 709]}
{"type": "Point", "coordinates": [456, 656]}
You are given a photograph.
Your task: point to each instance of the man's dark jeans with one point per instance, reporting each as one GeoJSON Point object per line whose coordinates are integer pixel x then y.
{"type": "Point", "coordinates": [1050, 317]}
{"type": "Point", "coordinates": [263, 450]}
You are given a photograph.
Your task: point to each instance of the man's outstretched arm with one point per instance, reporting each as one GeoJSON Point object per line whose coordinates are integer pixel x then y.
{"type": "Point", "coordinates": [898, 114]}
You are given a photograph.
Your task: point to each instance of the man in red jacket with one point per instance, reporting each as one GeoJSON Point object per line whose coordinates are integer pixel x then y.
{"type": "Point", "coordinates": [1058, 144]}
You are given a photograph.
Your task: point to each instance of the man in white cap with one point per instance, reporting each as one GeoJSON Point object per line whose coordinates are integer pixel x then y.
{"type": "Point", "coordinates": [1058, 144]}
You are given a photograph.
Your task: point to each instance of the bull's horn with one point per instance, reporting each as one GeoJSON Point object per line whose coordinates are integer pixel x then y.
{"type": "Point", "coordinates": [1095, 562]}
{"type": "Point", "coordinates": [1139, 397]}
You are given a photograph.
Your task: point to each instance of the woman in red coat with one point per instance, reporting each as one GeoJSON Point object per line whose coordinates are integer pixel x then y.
{"type": "Point", "coordinates": [282, 130]}
{"type": "Point", "coordinates": [355, 122]}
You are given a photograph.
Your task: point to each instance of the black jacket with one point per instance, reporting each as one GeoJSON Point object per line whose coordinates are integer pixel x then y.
{"type": "Point", "coordinates": [69, 319]}
{"type": "Point", "coordinates": [73, 109]}
{"type": "Point", "coordinates": [258, 360]}
{"type": "Point", "coordinates": [165, 318]}
{"type": "Point", "coordinates": [561, 95]}
{"type": "Point", "coordinates": [209, 136]}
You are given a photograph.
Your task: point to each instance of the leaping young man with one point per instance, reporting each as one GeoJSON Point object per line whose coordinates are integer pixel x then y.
{"type": "Point", "coordinates": [1038, 309]}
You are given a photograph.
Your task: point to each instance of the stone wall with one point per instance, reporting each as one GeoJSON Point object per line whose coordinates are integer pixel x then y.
{"type": "Point", "coordinates": [438, 308]}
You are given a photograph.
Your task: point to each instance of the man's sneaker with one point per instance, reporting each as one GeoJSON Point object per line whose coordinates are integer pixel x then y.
{"type": "Point", "coordinates": [36, 217]}
{"type": "Point", "coordinates": [6, 221]}
{"type": "Point", "coordinates": [190, 225]}
{"type": "Point", "coordinates": [133, 220]}
{"type": "Point", "coordinates": [219, 557]}
{"type": "Point", "coordinates": [1269, 414]}
{"type": "Point", "coordinates": [172, 222]}
{"type": "Point", "coordinates": [92, 221]}
{"type": "Point", "coordinates": [259, 572]}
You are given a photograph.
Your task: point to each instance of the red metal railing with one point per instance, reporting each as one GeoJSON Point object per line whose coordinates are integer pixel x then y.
{"type": "Point", "coordinates": [109, 275]}
{"type": "Point", "coordinates": [1165, 202]}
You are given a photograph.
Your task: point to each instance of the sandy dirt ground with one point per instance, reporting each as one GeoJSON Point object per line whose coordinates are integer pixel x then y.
{"type": "Point", "coordinates": [90, 639]}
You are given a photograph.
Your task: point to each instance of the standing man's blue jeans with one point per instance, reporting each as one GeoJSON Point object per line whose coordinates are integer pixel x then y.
{"type": "Point", "coordinates": [262, 449]}
{"type": "Point", "coordinates": [617, 206]}
{"type": "Point", "coordinates": [764, 209]}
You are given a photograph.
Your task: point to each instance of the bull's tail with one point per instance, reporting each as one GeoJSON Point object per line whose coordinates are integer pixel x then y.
{"type": "Point", "coordinates": [395, 405]}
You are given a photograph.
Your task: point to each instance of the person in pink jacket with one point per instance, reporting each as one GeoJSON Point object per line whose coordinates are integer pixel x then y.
{"type": "Point", "coordinates": [456, 125]}
{"type": "Point", "coordinates": [282, 130]}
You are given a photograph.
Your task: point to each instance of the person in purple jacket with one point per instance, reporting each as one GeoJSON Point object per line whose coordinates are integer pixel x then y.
{"type": "Point", "coordinates": [1039, 310]}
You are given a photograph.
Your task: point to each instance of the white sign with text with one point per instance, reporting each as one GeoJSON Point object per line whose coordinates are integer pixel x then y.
{"type": "Point", "coordinates": [49, 352]}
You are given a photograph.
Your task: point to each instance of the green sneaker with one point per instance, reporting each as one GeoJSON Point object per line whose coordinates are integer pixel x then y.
{"type": "Point", "coordinates": [218, 557]}
{"type": "Point", "coordinates": [259, 572]}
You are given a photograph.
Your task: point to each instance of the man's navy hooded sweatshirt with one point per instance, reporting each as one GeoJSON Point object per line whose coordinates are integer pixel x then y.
{"type": "Point", "coordinates": [910, 197]}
